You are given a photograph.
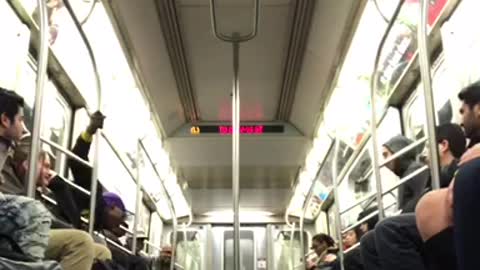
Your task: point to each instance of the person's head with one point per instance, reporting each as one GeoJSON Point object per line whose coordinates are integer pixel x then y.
{"type": "Point", "coordinates": [394, 145]}
{"type": "Point", "coordinates": [470, 110]}
{"type": "Point", "coordinates": [370, 223]}
{"type": "Point", "coordinates": [451, 143]}
{"type": "Point", "coordinates": [11, 115]}
{"type": "Point", "coordinates": [322, 242]}
{"type": "Point", "coordinates": [350, 238]}
{"type": "Point", "coordinates": [115, 211]}
{"type": "Point", "coordinates": [44, 167]}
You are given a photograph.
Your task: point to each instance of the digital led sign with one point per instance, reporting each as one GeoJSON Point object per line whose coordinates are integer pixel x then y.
{"type": "Point", "coordinates": [244, 129]}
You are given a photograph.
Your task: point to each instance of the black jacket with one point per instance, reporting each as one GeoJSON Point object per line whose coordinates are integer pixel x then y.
{"type": "Point", "coordinates": [83, 177]}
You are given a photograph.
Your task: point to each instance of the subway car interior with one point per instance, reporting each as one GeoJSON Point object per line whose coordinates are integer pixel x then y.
{"type": "Point", "coordinates": [233, 134]}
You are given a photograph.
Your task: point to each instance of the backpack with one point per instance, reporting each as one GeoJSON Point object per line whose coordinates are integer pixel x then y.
{"type": "Point", "coordinates": [107, 265]}
{"type": "Point", "coordinates": [26, 223]}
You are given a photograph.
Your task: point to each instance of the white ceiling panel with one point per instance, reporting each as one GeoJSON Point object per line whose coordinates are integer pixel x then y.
{"type": "Point", "coordinates": [272, 200]}
{"type": "Point", "coordinates": [261, 60]}
{"type": "Point", "coordinates": [325, 42]}
{"type": "Point", "coordinates": [140, 22]}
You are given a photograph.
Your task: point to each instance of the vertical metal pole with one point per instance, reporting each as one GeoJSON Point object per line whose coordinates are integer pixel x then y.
{"type": "Point", "coordinates": [302, 219]}
{"type": "Point", "coordinates": [236, 154]}
{"type": "Point", "coordinates": [93, 191]}
{"type": "Point", "coordinates": [138, 200]}
{"type": "Point", "coordinates": [301, 228]}
{"type": "Point", "coordinates": [174, 240]}
{"type": "Point", "coordinates": [428, 93]}
{"type": "Point", "coordinates": [38, 107]}
{"type": "Point", "coordinates": [338, 218]}
{"type": "Point", "coordinates": [292, 238]}
{"type": "Point", "coordinates": [376, 150]}
{"type": "Point", "coordinates": [373, 123]}
{"type": "Point", "coordinates": [185, 240]}
{"type": "Point", "coordinates": [96, 158]}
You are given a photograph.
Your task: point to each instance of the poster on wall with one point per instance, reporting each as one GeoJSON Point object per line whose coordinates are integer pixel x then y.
{"type": "Point", "coordinates": [461, 43]}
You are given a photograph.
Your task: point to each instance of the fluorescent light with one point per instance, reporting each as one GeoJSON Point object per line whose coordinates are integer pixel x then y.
{"type": "Point", "coordinates": [244, 214]}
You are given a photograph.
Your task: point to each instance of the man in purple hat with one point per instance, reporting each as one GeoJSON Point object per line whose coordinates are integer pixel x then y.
{"type": "Point", "coordinates": [115, 212]}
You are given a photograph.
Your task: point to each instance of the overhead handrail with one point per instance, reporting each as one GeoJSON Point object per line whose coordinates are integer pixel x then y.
{"type": "Point", "coordinates": [38, 105]}
{"type": "Point", "coordinates": [399, 183]}
{"type": "Point", "coordinates": [233, 38]}
{"type": "Point", "coordinates": [169, 203]}
{"type": "Point", "coordinates": [377, 6]}
{"type": "Point", "coordinates": [373, 120]}
{"type": "Point", "coordinates": [424, 63]}
{"type": "Point", "coordinates": [287, 220]}
{"type": "Point", "coordinates": [90, 12]}
{"type": "Point", "coordinates": [338, 218]}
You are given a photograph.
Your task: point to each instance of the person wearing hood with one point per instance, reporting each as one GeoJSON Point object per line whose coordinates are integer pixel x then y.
{"type": "Point", "coordinates": [403, 166]}
{"type": "Point", "coordinates": [396, 242]}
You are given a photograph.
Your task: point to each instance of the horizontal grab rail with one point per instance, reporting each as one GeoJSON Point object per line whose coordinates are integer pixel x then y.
{"type": "Point", "coordinates": [399, 183]}
{"type": "Point", "coordinates": [403, 151]}
{"type": "Point", "coordinates": [396, 155]}
{"type": "Point", "coordinates": [66, 152]}
{"type": "Point", "coordinates": [72, 184]}
{"type": "Point", "coordinates": [363, 220]}
{"type": "Point", "coordinates": [113, 243]}
{"type": "Point", "coordinates": [352, 248]}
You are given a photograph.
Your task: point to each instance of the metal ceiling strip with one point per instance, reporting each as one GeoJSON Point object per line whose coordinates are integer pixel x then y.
{"type": "Point", "coordinates": [167, 14]}
{"type": "Point", "coordinates": [302, 20]}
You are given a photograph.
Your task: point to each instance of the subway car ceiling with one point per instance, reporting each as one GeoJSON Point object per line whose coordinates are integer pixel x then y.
{"type": "Point", "coordinates": [285, 78]}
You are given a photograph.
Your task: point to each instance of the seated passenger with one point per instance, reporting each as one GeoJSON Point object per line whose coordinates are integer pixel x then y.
{"type": "Point", "coordinates": [351, 238]}
{"type": "Point", "coordinates": [74, 249]}
{"type": "Point", "coordinates": [396, 243]}
{"type": "Point", "coordinates": [324, 247]}
{"type": "Point", "coordinates": [404, 166]}
{"type": "Point", "coordinates": [454, 211]}
{"type": "Point", "coordinates": [19, 216]}
{"type": "Point", "coordinates": [48, 183]}
{"type": "Point", "coordinates": [352, 260]}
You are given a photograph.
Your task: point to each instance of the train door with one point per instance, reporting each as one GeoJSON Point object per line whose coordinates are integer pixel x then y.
{"type": "Point", "coordinates": [192, 247]}
{"type": "Point", "coordinates": [253, 248]}
{"type": "Point", "coordinates": [285, 252]}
